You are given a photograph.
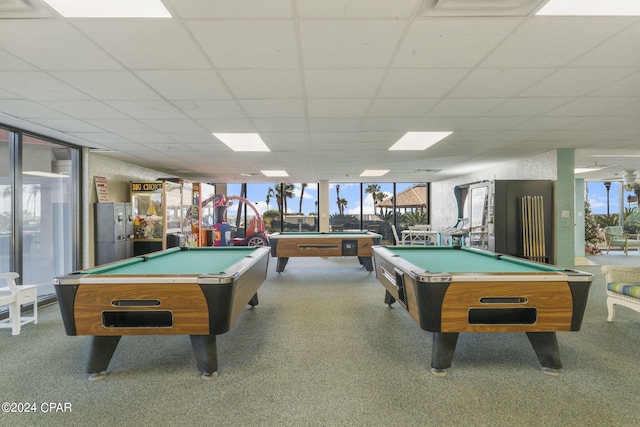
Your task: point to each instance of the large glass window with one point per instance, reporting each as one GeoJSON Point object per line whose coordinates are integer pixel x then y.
{"type": "Point", "coordinates": [403, 205]}
{"type": "Point", "coordinates": [6, 206]}
{"type": "Point", "coordinates": [345, 206]}
{"type": "Point", "coordinates": [609, 199]}
{"type": "Point", "coordinates": [47, 212]}
{"type": "Point", "coordinates": [302, 207]}
{"type": "Point", "coordinates": [271, 208]}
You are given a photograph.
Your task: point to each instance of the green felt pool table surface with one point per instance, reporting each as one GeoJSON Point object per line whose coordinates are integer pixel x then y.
{"type": "Point", "coordinates": [205, 260]}
{"type": "Point", "coordinates": [448, 259]}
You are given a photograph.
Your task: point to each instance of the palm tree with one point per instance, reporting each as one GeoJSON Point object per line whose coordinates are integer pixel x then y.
{"type": "Point", "coordinates": [283, 192]}
{"type": "Point", "coordinates": [303, 186]}
{"type": "Point", "coordinates": [338, 196]}
{"type": "Point", "coordinates": [342, 203]}
{"type": "Point", "coordinates": [414, 218]}
{"type": "Point", "coordinates": [270, 194]}
{"type": "Point", "coordinates": [374, 190]}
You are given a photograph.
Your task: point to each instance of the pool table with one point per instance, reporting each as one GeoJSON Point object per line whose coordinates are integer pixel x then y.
{"type": "Point", "coordinates": [453, 289]}
{"type": "Point", "coordinates": [180, 291]}
{"type": "Point", "coordinates": [324, 244]}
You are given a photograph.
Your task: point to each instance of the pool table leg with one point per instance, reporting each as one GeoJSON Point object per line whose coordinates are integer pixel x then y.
{"type": "Point", "coordinates": [206, 354]}
{"type": "Point", "coordinates": [254, 300]}
{"type": "Point", "coordinates": [100, 353]}
{"type": "Point", "coordinates": [388, 298]}
{"type": "Point", "coordinates": [367, 262]}
{"type": "Point", "coordinates": [545, 344]}
{"type": "Point", "coordinates": [281, 263]}
{"type": "Point", "coordinates": [444, 345]}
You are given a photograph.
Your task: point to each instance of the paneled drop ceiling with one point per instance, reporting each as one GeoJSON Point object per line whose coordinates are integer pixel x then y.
{"type": "Point", "coordinates": [329, 85]}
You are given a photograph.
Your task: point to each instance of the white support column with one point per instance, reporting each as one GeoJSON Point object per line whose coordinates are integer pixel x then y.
{"type": "Point", "coordinates": [323, 205]}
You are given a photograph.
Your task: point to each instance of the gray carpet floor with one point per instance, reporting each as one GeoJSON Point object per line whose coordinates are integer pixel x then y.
{"type": "Point", "coordinates": [322, 349]}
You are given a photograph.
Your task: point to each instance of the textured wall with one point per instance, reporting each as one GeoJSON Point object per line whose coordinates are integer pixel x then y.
{"type": "Point", "coordinates": [444, 212]}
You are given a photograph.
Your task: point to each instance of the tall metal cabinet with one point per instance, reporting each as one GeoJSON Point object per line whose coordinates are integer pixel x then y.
{"type": "Point", "coordinates": [113, 232]}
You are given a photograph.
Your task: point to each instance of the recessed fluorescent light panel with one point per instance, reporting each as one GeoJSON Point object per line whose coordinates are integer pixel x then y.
{"type": "Point", "coordinates": [242, 141]}
{"type": "Point", "coordinates": [591, 8]}
{"type": "Point", "coordinates": [374, 172]}
{"type": "Point", "coordinates": [275, 173]}
{"type": "Point", "coordinates": [418, 140]}
{"type": "Point", "coordinates": [45, 174]}
{"type": "Point", "coordinates": [585, 170]}
{"type": "Point", "coordinates": [110, 8]}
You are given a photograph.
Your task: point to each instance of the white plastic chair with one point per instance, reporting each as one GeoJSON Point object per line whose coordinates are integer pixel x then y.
{"type": "Point", "coordinates": [15, 296]}
{"type": "Point", "coordinates": [395, 236]}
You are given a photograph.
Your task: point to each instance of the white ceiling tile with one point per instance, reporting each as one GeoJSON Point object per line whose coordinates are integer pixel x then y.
{"type": "Point", "coordinates": [590, 106]}
{"type": "Point", "coordinates": [120, 126]}
{"type": "Point", "coordinates": [10, 62]}
{"type": "Point", "coordinates": [380, 124]}
{"type": "Point", "coordinates": [167, 147]}
{"type": "Point", "coordinates": [332, 137]}
{"type": "Point", "coordinates": [420, 82]}
{"type": "Point", "coordinates": [621, 50]}
{"type": "Point", "coordinates": [167, 44]}
{"type": "Point", "coordinates": [342, 83]}
{"type": "Point", "coordinates": [147, 109]}
{"type": "Point", "coordinates": [108, 85]}
{"type": "Point", "coordinates": [527, 106]}
{"type": "Point", "coordinates": [337, 107]}
{"type": "Point", "coordinates": [171, 125]}
{"type": "Point", "coordinates": [627, 86]}
{"type": "Point", "coordinates": [193, 138]}
{"type": "Point", "coordinates": [341, 9]}
{"type": "Point", "coordinates": [549, 123]}
{"type": "Point", "coordinates": [29, 110]}
{"type": "Point", "coordinates": [248, 44]}
{"type": "Point", "coordinates": [280, 141]}
{"type": "Point", "coordinates": [204, 109]}
{"type": "Point", "coordinates": [536, 42]}
{"type": "Point", "coordinates": [257, 84]}
{"type": "Point", "coordinates": [604, 123]}
{"type": "Point", "coordinates": [67, 125]}
{"type": "Point", "coordinates": [349, 44]}
{"type": "Point", "coordinates": [147, 137]}
{"type": "Point", "coordinates": [576, 81]}
{"type": "Point", "coordinates": [281, 125]}
{"type": "Point", "coordinates": [53, 45]}
{"type": "Point", "coordinates": [491, 123]}
{"type": "Point", "coordinates": [37, 85]}
{"type": "Point", "coordinates": [225, 9]}
{"type": "Point", "coordinates": [383, 137]}
{"type": "Point", "coordinates": [274, 108]}
{"type": "Point", "coordinates": [451, 43]}
{"type": "Point", "coordinates": [186, 84]}
{"type": "Point", "coordinates": [107, 138]}
{"type": "Point", "coordinates": [401, 107]}
{"type": "Point", "coordinates": [227, 125]}
{"type": "Point", "coordinates": [5, 94]}
{"type": "Point", "coordinates": [464, 107]}
{"type": "Point", "coordinates": [630, 110]}
{"type": "Point", "coordinates": [334, 125]}
{"type": "Point", "coordinates": [500, 82]}
{"type": "Point", "coordinates": [85, 109]}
